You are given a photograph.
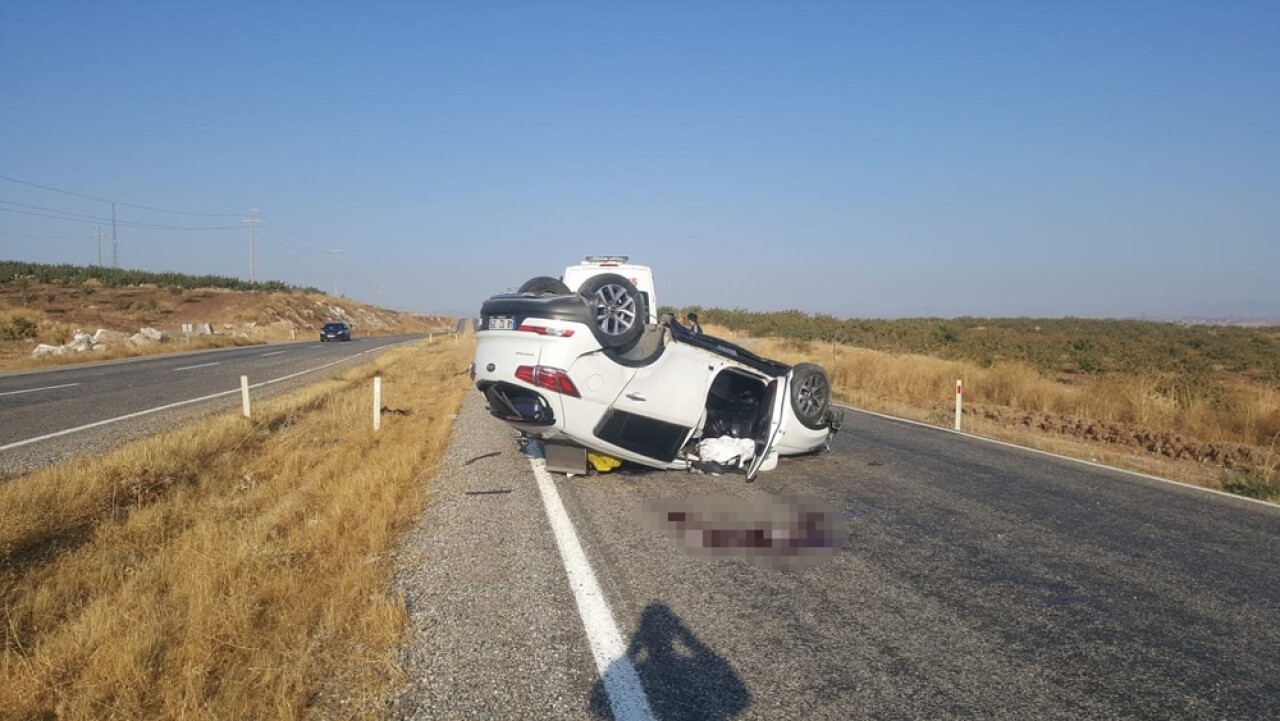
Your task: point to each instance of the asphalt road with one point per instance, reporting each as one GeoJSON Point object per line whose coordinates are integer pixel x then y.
{"type": "Point", "coordinates": [37, 406]}
{"type": "Point", "coordinates": [978, 581]}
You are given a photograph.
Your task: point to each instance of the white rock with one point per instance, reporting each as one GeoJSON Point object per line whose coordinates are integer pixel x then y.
{"type": "Point", "coordinates": [204, 329]}
{"type": "Point", "coordinates": [103, 336]}
{"type": "Point", "coordinates": [81, 338]}
{"type": "Point", "coordinates": [158, 336]}
{"type": "Point", "coordinates": [45, 349]}
{"type": "Point", "coordinates": [140, 339]}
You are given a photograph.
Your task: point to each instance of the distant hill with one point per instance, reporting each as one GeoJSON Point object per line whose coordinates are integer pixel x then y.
{"type": "Point", "coordinates": [48, 303]}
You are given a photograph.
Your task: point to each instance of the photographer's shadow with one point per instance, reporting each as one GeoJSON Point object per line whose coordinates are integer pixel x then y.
{"type": "Point", "coordinates": [682, 677]}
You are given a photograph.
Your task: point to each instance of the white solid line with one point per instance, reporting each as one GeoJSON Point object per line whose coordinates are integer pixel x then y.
{"type": "Point", "coordinates": [1095, 464]}
{"type": "Point", "coordinates": [202, 365]}
{"type": "Point", "coordinates": [277, 352]}
{"type": "Point", "coordinates": [33, 390]}
{"type": "Point", "coordinates": [318, 345]}
{"type": "Point", "coordinates": [167, 406]}
{"type": "Point", "coordinates": [621, 682]}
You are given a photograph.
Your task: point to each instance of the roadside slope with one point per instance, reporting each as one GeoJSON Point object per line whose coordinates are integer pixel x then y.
{"type": "Point", "coordinates": [52, 312]}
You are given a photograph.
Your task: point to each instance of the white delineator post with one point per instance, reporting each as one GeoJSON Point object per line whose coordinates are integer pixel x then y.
{"type": "Point", "coordinates": [959, 395]}
{"type": "Point", "coordinates": [377, 402]}
{"type": "Point", "coordinates": [244, 394]}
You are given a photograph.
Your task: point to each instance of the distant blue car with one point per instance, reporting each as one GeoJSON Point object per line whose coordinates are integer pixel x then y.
{"type": "Point", "coordinates": [335, 331]}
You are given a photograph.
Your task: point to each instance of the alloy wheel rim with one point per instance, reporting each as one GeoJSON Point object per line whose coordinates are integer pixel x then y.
{"type": "Point", "coordinates": [812, 394]}
{"type": "Point", "coordinates": [615, 309]}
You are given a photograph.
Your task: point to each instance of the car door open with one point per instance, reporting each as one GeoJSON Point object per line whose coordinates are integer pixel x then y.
{"type": "Point", "coordinates": [771, 427]}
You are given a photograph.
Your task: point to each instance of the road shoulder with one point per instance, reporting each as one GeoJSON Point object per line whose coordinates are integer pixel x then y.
{"type": "Point", "coordinates": [493, 627]}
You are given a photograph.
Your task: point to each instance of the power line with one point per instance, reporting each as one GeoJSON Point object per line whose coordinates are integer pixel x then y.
{"type": "Point", "coordinates": [93, 219]}
{"type": "Point", "coordinates": [296, 239]}
{"type": "Point", "coordinates": [284, 242]}
{"type": "Point", "coordinates": [117, 202]}
{"type": "Point", "coordinates": [51, 210]}
{"type": "Point", "coordinates": [36, 236]}
{"type": "Point", "coordinates": [102, 219]}
{"type": "Point", "coordinates": [273, 232]}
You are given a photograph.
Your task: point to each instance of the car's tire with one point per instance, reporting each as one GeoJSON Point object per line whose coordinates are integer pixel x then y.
{"type": "Point", "coordinates": [810, 395]}
{"type": "Point", "coordinates": [545, 285]}
{"type": "Point", "coordinates": [617, 310]}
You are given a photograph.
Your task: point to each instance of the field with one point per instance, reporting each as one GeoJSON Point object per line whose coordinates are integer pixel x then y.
{"type": "Point", "coordinates": [1199, 403]}
{"type": "Point", "coordinates": [235, 569]}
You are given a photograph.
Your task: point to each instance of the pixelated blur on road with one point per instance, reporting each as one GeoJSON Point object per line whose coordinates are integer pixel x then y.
{"type": "Point", "coordinates": [777, 531]}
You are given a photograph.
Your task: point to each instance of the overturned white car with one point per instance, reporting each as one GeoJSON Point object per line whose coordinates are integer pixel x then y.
{"type": "Point", "coordinates": [589, 367]}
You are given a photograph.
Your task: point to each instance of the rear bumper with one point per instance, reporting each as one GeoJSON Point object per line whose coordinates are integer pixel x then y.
{"type": "Point", "coordinates": [524, 408]}
{"type": "Point", "coordinates": [519, 306]}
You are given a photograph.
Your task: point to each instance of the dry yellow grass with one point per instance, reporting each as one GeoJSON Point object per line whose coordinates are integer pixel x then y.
{"type": "Point", "coordinates": [922, 388]}
{"type": "Point", "coordinates": [1250, 414]}
{"type": "Point", "coordinates": [234, 570]}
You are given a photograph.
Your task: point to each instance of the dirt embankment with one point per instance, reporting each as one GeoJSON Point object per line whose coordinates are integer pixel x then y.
{"type": "Point", "coordinates": [1173, 446]}
{"type": "Point", "coordinates": [1136, 421]}
{"type": "Point", "coordinates": [52, 313]}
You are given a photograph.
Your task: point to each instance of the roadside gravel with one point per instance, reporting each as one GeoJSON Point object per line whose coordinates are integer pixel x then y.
{"type": "Point", "coordinates": [494, 629]}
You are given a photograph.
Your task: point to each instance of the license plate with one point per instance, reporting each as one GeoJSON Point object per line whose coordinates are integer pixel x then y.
{"type": "Point", "coordinates": [502, 322]}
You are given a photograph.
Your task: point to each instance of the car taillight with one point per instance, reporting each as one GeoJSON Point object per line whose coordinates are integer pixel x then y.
{"type": "Point", "coordinates": [553, 332]}
{"type": "Point", "coordinates": [552, 379]}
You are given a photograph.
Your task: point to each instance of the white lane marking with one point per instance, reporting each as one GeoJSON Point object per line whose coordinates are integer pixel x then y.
{"type": "Point", "coordinates": [277, 352]}
{"type": "Point", "coordinates": [201, 365]}
{"type": "Point", "coordinates": [621, 682]}
{"type": "Point", "coordinates": [1095, 464]}
{"type": "Point", "coordinates": [167, 406]}
{"type": "Point", "coordinates": [33, 390]}
{"type": "Point", "coordinates": [318, 345]}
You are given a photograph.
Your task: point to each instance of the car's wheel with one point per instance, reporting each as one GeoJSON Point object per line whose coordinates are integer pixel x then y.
{"type": "Point", "coordinates": [545, 285]}
{"type": "Point", "coordinates": [810, 395]}
{"type": "Point", "coordinates": [616, 308]}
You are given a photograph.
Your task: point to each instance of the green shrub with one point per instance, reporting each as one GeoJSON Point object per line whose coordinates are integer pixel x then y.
{"type": "Point", "coordinates": [23, 273]}
{"type": "Point", "coordinates": [1254, 484]}
{"type": "Point", "coordinates": [17, 327]}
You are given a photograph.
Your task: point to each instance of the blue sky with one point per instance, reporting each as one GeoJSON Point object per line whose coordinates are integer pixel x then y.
{"type": "Point", "coordinates": [860, 159]}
